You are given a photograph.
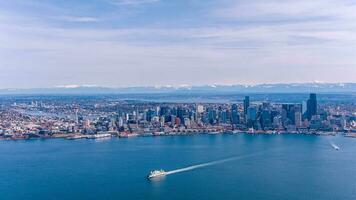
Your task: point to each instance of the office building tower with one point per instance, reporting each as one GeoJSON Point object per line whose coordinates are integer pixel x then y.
{"type": "Point", "coordinates": [312, 106]}
{"type": "Point", "coordinates": [211, 116]}
{"type": "Point", "coordinates": [246, 104]}
{"type": "Point", "coordinates": [304, 108]}
{"type": "Point", "coordinates": [181, 113]}
{"type": "Point", "coordinates": [224, 116]}
{"type": "Point", "coordinates": [298, 119]}
{"type": "Point", "coordinates": [251, 113]}
{"type": "Point", "coordinates": [288, 112]}
{"type": "Point", "coordinates": [200, 109]}
{"type": "Point", "coordinates": [266, 119]}
{"type": "Point", "coordinates": [234, 114]}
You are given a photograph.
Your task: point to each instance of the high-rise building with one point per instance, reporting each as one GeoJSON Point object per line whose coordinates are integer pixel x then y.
{"type": "Point", "coordinates": [298, 119]}
{"type": "Point", "coordinates": [288, 112]}
{"type": "Point", "coordinates": [251, 116]}
{"type": "Point", "coordinates": [234, 114]}
{"type": "Point", "coordinates": [277, 121]}
{"type": "Point", "coordinates": [181, 113]}
{"type": "Point", "coordinates": [187, 122]}
{"type": "Point", "coordinates": [312, 106]}
{"type": "Point", "coordinates": [149, 115]}
{"type": "Point", "coordinates": [266, 119]}
{"type": "Point", "coordinates": [234, 107]}
{"type": "Point", "coordinates": [164, 111]}
{"type": "Point", "coordinates": [158, 109]}
{"type": "Point", "coordinates": [246, 104]}
{"type": "Point", "coordinates": [211, 115]}
{"type": "Point", "coordinates": [304, 108]}
{"type": "Point", "coordinates": [224, 116]}
{"type": "Point", "coordinates": [120, 122]}
{"type": "Point", "coordinates": [76, 116]}
{"type": "Point", "coordinates": [86, 123]}
{"type": "Point", "coordinates": [251, 113]}
{"type": "Point", "coordinates": [200, 109]}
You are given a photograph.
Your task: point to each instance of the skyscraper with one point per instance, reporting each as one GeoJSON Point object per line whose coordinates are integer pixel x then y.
{"type": "Point", "coordinates": [200, 108]}
{"type": "Point", "coordinates": [304, 108]}
{"type": "Point", "coordinates": [224, 116]}
{"type": "Point", "coordinates": [266, 119]}
{"type": "Point", "coordinates": [251, 116]}
{"type": "Point", "coordinates": [76, 116]}
{"type": "Point", "coordinates": [181, 114]}
{"type": "Point", "coordinates": [288, 112]}
{"type": "Point", "coordinates": [298, 119]}
{"type": "Point", "coordinates": [234, 114]}
{"type": "Point", "coordinates": [211, 115]}
{"type": "Point", "coordinates": [246, 104]}
{"type": "Point", "coordinates": [251, 113]}
{"type": "Point", "coordinates": [312, 106]}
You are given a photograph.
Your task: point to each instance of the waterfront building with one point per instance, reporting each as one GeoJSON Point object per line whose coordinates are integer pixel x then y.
{"type": "Point", "coordinates": [187, 122]}
{"type": "Point", "coordinates": [137, 117]}
{"type": "Point", "coordinates": [298, 119]}
{"type": "Point", "coordinates": [277, 121]}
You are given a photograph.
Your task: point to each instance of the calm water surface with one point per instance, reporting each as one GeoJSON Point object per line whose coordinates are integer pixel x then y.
{"type": "Point", "coordinates": [271, 167]}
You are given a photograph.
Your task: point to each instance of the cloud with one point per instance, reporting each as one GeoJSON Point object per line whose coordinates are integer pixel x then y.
{"type": "Point", "coordinates": [78, 19]}
{"type": "Point", "coordinates": [284, 10]}
{"type": "Point", "coordinates": [133, 2]}
{"type": "Point", "coordinates": [224, 51]}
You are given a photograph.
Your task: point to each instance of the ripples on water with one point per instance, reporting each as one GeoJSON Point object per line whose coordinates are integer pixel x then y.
{"type": "Point", "coordinates": [265, 167]}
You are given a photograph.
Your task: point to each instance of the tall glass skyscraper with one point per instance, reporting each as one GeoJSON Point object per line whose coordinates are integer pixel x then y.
{"type": "Point", "coordinates": [234, 114]}
{"type": "Point", "coordinates": [312, 106]}
{"type": "Point", "coordinates": [246, 104]}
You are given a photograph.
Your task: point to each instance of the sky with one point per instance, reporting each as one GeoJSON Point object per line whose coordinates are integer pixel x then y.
{"type": "Point", "coordinates": [121, 43]}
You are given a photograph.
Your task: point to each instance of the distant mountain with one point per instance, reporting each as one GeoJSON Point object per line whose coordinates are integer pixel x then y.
{"type": "Point", "coordinates": [261, 88]}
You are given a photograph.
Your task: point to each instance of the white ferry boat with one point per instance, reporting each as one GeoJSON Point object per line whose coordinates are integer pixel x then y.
{"type": "Point", "coordinates": [156, 174]}
{"type": "Point", "coordinates": [335, 147]}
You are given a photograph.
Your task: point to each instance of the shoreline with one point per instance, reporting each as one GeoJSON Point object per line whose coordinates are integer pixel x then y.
{"type": "Point", "coordinates": [163, 134]}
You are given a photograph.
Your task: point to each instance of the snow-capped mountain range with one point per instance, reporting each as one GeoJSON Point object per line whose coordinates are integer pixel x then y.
{"type": "Point", "coordinates": [239, 88]}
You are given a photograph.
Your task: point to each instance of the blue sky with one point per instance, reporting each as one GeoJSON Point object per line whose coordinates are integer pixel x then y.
{"type": "Point", "coordinates": [118, 43]}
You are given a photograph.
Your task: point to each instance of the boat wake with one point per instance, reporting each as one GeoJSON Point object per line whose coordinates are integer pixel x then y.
{"type": "Point", "coordinates": [333, 145]}
{"type": "Point", "coordinates": [209, 164]}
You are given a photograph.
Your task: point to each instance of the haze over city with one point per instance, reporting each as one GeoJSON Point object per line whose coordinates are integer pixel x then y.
{"type": "Point", "coordinates": [119, 43]}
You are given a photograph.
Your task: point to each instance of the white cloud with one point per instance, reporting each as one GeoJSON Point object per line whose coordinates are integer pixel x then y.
{"type": "Point", "coordinates": [133, 2]}
{"type": "Point", "coordinates": [78, 19]}
{"type": "Point", "coordinates": [284, 10]}
{"type": "Point", "coordinates": [225, 54]}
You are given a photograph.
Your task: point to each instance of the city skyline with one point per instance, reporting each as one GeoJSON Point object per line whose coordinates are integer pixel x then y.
{"type": "Point", "coordinates": [93, 117]}
{"type": "Point", "coordinates": [124, 43]}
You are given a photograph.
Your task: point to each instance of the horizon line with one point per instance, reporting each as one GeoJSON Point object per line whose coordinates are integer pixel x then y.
{"type": "Point", "coordinates": [159, 86]}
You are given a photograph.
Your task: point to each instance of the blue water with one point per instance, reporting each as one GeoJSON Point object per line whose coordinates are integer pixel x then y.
{"type": "Point", "coordinates": [271, 167]}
